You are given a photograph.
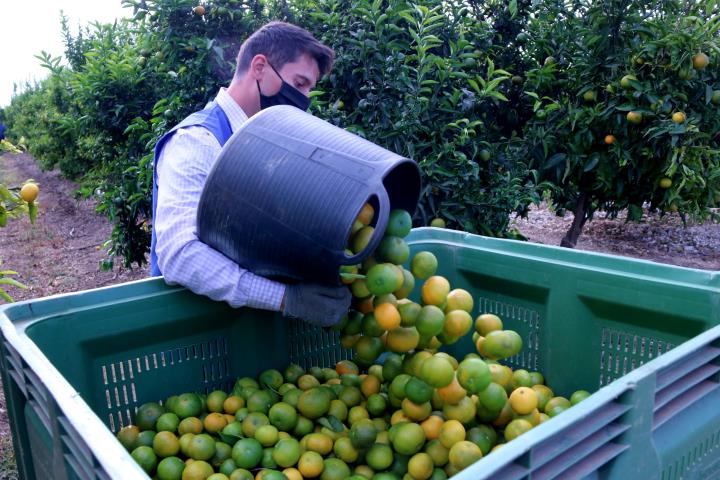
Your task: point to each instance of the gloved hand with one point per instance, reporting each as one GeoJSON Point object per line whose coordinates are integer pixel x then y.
{"type": "Point", "coordinates": [321, 305]}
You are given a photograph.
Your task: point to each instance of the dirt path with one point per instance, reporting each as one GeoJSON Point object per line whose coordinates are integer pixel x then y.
{"type": "Point", "coordinates": [61, 252]}
{"type": "Point", "coordinates": [658, 238]}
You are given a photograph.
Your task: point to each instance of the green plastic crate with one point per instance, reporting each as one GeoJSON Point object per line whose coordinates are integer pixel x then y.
{"type": "Point", "coordinates": [76, 366]}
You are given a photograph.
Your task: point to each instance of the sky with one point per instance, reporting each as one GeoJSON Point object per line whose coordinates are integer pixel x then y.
{"type": "Point", "coordinates": [31, 26]}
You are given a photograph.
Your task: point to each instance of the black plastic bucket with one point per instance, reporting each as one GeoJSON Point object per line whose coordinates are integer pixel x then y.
{"type": "Point", "coordinates": [286, 189]}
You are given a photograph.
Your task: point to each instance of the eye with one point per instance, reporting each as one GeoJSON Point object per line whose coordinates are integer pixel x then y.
{"type": "Point", "coordinates": [301, 83]}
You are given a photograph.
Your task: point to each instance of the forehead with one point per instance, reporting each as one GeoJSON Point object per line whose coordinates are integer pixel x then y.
{"type": "Point", "coordinates": [304, 66]}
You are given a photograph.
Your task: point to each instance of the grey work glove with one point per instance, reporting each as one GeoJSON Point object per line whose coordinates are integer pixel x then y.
{"type": "Point", "coordinates": [321, 305]}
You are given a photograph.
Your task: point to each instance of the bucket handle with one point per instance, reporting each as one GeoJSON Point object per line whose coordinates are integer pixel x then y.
{"type": "Point", "coordinates": [380, 226]}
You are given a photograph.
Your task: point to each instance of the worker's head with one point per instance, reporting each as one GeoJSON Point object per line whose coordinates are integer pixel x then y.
{"type": "Point", "coordinates": [283, 62]}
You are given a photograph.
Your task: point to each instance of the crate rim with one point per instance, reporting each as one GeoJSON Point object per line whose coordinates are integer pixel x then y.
{"type": "Point", "coordinates": [457, 237]}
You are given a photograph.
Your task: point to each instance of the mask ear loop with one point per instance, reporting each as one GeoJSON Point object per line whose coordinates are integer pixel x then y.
{"type": "Point", "coordinates": [276, 73]}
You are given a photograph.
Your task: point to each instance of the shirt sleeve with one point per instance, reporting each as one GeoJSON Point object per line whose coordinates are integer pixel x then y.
{"type": "Point", "coordinates": [183, 167]}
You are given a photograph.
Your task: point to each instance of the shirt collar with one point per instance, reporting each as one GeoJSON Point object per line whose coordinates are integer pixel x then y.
{"type": "Point", "coordinates": [234, 112]}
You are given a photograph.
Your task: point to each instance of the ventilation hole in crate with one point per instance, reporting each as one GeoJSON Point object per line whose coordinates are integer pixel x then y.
{"type": "Point", "coordinates": [651, 348]}
{"type": "Point", "coordinates": [111, 422]}
{"type": "Point", "coordinates": [707, 449]}
{"type": "Point", "coordinates": [107, 398]}
{"type": "Point", "coordinates": [112, 373]}
{"type": "Point", "coordinates": [104, 375]}
{"type": "Point", "coordinates": [623, 352]}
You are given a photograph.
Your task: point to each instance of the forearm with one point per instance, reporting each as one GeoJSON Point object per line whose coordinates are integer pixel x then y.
{"type": "Point", "coordinates": [207, 272]}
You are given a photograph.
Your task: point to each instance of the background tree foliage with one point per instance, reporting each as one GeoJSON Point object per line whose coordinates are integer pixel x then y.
{"type": "Point", "coordinates": [497, 101]}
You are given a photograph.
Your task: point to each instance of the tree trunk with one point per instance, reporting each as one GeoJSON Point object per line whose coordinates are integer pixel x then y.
{"type": "Point", "coordinates": [571, 237]}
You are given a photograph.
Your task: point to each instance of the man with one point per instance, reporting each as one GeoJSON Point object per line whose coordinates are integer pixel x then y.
{"type": "Point", "coordinates": [278, 64]}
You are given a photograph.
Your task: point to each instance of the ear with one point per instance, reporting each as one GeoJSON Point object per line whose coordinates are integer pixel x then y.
{"type": "Point", "coordinates": [258, 66]}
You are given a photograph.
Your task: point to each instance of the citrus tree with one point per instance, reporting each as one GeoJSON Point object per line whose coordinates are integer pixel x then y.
{"type": "Point", "coordinates": [420, 78]}
{"type": "Point", "coordinates": [626, 107]}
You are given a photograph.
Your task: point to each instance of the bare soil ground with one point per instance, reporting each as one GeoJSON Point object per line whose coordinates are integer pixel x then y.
{"type": "Point", "coordinates": [62, 250]}
{"type": "Point", "coordinates": [662, 239]}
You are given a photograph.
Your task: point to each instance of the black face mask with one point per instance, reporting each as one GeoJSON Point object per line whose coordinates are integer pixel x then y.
{"type": "Point", "coordinates": [288, 95]}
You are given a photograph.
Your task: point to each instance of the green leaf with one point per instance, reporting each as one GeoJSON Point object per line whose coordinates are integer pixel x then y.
{"type": "Point", "coordinates": [555, 160]}
{"type": "Point", "coordinates": [592, 163]}
{"type": "Point", "coordinates": [512, 8]}
{"type": "Point", "coordinates": [11, 281]}
{"type": "Point", "coordinates": [351, 276]}
{"type": "Point", "coordinates": [635, 212]}
{"type": "Point", "coordinates": [332, 422]}
{"type": "Point", "coordinates": [33, 211]}
{"type": "Point", "coordinates": [229, 439]}
{"type": "Point", "coordinates": [474, 85]}
{"type": "Point", "coordinates": [499, 96]}
{"type": "Point", "coordinates": [5, 296]}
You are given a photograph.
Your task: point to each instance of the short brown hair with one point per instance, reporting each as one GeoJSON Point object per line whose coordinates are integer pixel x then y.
{"type": "Point", "coordinates": [282, 43]}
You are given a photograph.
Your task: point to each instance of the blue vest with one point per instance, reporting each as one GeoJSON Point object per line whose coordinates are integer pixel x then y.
{"type": "Point", "coordinates": [213, 118]}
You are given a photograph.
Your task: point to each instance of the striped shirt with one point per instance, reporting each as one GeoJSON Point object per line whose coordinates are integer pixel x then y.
{"type": "Point", "coordinates": [182, 168]}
